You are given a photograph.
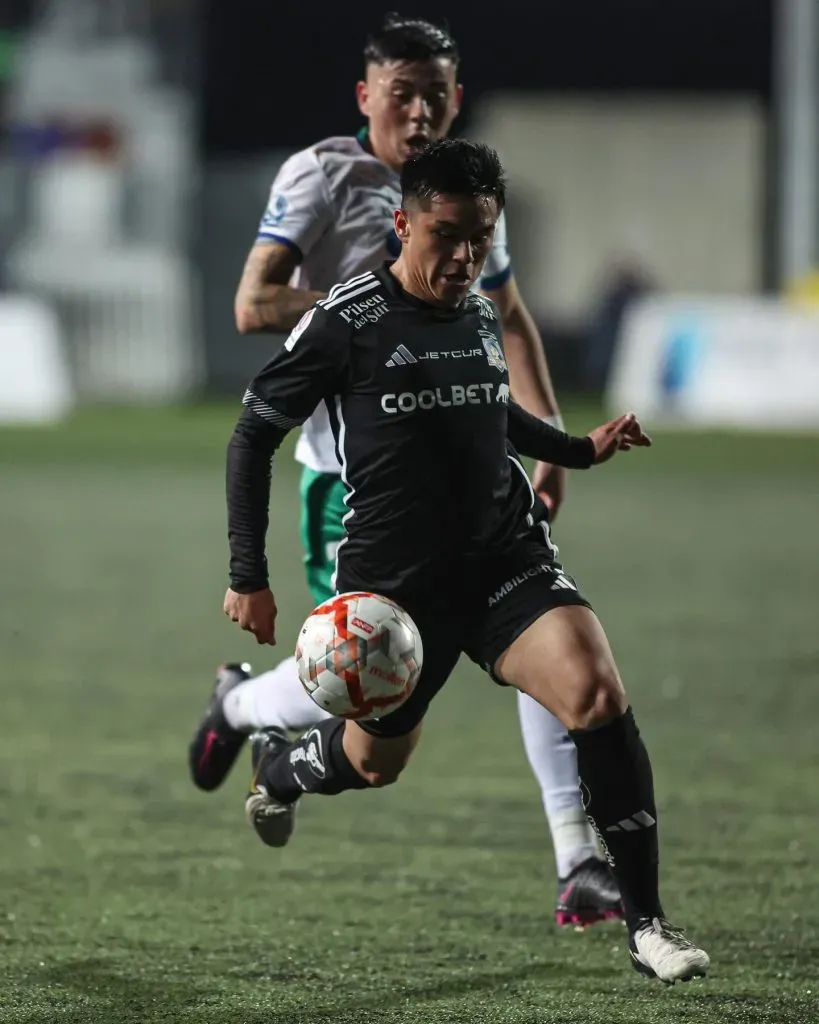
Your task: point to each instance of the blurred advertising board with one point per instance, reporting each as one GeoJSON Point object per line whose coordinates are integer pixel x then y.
{"type": "Point", "coordinates": [718, 362]}
{"type": "Point", "coordinates": [35, 383]}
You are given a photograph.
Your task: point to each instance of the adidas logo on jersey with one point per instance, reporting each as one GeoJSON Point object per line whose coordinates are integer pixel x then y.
{"type": "Point", "coordinates": [401, 356]}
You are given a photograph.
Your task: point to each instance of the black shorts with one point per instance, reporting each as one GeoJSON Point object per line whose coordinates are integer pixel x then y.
{"type": "Point", "coordinates": [499, 597]}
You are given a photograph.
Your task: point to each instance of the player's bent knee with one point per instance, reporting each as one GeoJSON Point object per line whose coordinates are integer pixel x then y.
{"type": "Point", "coordinates": [382, 768]}
{"type": "Point", "coordinates": [596, 703]}
{"type": "Point", "coordinates": [378, 777]}
{"type": "Point", "coordinates": [378, 760]}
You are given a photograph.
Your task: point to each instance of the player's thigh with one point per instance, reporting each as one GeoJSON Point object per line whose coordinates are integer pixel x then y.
{"type": "Point", "coordinates": [563, 660]}
{"type": "Point", "coordinates": [322, 512]}
{"type": "Point", "coordinates": [539, 634]}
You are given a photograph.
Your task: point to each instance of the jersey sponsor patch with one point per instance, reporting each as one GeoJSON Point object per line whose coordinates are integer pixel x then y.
{"type": "Point", "coordinates": [443, 397]}
{"type": "Point", "coordinates": [299, 329]}
{"type": "Point", "coordinates": [275, 213]}
{"type": "Point", "coordinates": [365, 311]}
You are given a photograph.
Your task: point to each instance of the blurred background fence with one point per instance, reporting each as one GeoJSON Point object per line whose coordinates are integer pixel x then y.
{"type": "Point", "coordinates": [663, 167]}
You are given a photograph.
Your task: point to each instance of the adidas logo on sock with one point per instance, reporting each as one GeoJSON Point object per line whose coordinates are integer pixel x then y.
{"type": "Point", "coordinates": [642, 819]}
{"type": "Point", "coordinates": [401, 357]}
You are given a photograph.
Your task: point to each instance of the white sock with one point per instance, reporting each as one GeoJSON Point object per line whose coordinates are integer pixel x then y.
{"type": "Point", "coordinates": [553, 759]}
{"type": "Point", "coordinates": [274, 698]}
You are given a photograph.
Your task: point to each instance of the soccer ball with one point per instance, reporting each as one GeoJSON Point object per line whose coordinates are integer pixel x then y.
{"type": "Point", "coordinates": [359, 655]}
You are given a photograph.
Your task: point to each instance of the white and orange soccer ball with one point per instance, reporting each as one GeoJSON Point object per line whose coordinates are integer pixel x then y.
{"type": "Point", "coordinates": [359, 655]}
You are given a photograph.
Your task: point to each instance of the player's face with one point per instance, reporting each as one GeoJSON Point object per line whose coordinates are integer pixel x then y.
{"type": "Point", "coordinates": [408, 104]}
{"type": "Point", "coordinates": [446, 242]}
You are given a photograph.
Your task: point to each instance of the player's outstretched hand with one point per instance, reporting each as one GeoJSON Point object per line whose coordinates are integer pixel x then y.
{"type": "Point", "coordinates": [255, 613]}
{"type": "Point", "coordinates": [618, 436]}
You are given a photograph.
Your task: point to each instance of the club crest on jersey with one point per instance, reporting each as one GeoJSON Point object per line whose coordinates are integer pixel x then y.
{"type": "Point", "coordinates": [494, 353]}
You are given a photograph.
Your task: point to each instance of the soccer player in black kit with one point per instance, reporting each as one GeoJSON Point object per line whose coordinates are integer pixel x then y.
{"type": "Point", "coordinates": [442, 520]}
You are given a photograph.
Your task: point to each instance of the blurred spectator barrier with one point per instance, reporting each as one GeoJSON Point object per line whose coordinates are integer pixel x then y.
{"type": "Point", "coordinates": [101, 163]}
{"type": "Point", "coordinates": [718, 362]}
{"type": "Point", "coordinates": [35, 385]}
{"type": "Point", "coordinates": [125, 306]}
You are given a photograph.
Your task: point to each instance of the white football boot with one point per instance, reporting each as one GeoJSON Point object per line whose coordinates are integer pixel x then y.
{"type": "Point", "coordinates": [659, 950]}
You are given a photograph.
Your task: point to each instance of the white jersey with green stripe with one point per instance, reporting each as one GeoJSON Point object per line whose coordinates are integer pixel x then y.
{"type": "Point", "coordinates": [333, 204]}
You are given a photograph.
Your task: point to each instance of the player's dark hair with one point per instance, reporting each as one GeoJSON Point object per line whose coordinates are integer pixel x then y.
{"type": "Point", "coordinates": [402, 38]}
{"type": "Point", "coordinates": [453, 167]}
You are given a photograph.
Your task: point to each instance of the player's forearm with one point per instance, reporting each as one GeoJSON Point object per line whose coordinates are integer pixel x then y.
{"type": "Point", "coordinates": [529, 378]}
{"type": "Point", "coordinates": [538, 440]}
{"type": "Point", "coordinates": [249, 458]}
{"type": "Point", "coordinates": [272, 308]}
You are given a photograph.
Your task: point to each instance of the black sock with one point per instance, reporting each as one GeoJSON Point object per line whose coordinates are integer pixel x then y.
{"type": "Point", "coordinates": [316, 763]}
{"type": "Point", "coordinates": [618, 793]}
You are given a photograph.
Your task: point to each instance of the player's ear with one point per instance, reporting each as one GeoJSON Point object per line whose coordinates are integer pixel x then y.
{"type": "Point", "coordinates": [401, 225]}
{"type": "Point", "coordinates": [362, 95]}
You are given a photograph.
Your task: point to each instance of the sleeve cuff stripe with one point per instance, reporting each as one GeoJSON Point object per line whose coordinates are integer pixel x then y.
{"type": "Point", "coordinates": [271, 236]}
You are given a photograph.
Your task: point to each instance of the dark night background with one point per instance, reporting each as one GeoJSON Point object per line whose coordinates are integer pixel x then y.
{"type": "Point", "coordinates": [281, 74]}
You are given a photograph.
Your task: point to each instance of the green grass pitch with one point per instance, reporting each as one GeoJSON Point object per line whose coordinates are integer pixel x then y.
{"type": "Point", "coordinates": [126, 895]}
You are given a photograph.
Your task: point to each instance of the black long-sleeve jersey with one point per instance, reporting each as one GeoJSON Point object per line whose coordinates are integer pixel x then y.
{"type": "Point", "coordinates": [426, 434]}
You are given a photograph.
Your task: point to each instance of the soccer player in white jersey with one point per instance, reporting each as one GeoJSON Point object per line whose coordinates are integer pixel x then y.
{"type": "Point", "coordinates": [329, 218]}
